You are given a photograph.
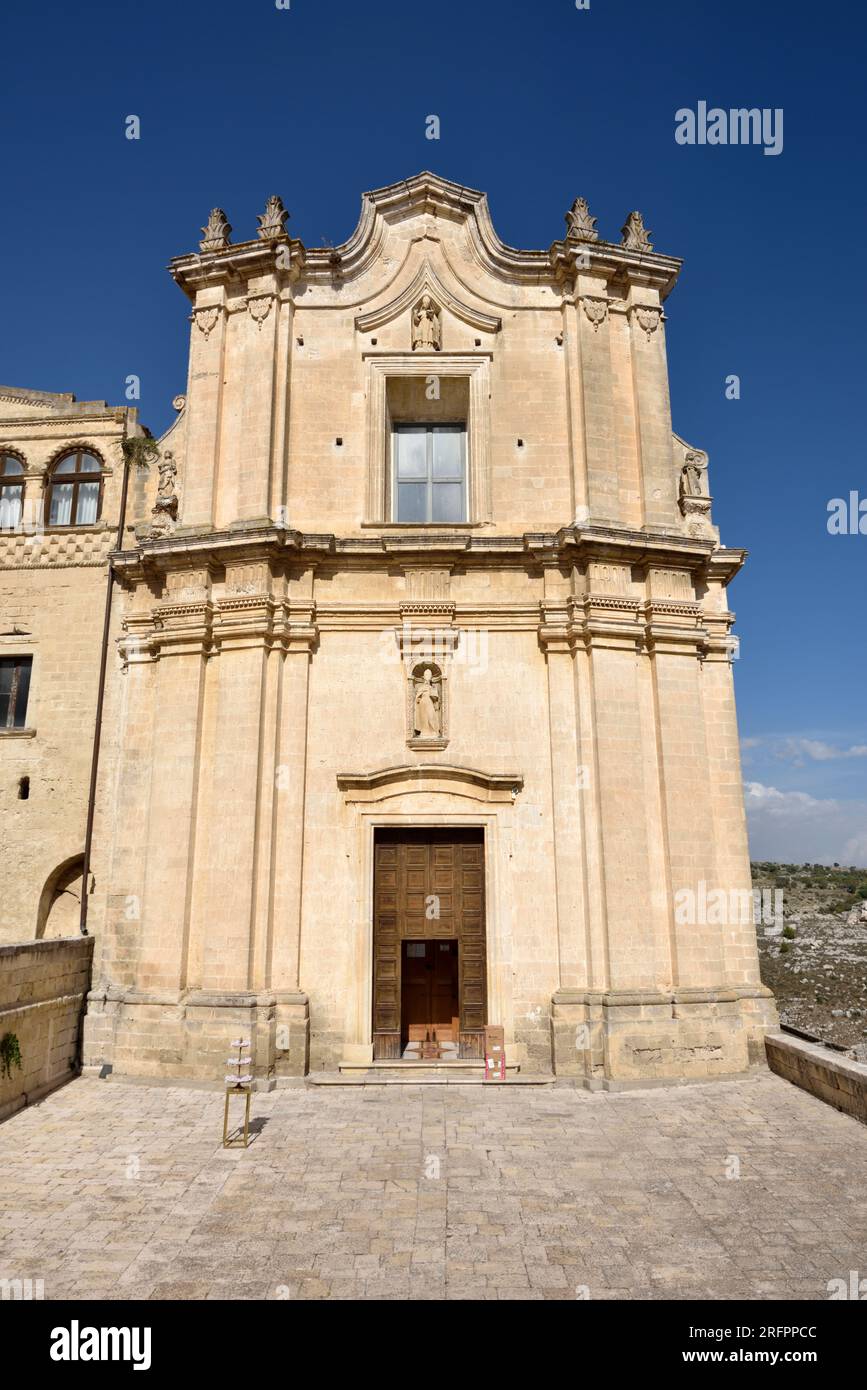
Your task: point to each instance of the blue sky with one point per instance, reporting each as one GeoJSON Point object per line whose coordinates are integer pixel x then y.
{"type": "Point", "coordinates": [538, 102]}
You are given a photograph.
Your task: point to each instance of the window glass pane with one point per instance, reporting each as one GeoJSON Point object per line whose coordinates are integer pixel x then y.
{"type": "Point", "coordinates": [448, 453]}
{"type": "Point", "coordinates": [60, 510]}
{"type": "Point", "coordinates": [20, 716]}
{"type": "Point", "coordinates": [411, 454]}
{"type": "Point", "coordinates": [9, 465]}
{"type": "Point", "coordinates": [89, 464]}
{"type": "Point", "coordinates": [88, 497]}
{"type": "Point", "coordinates": [10, 507]}
{"type": "Point", "coordinates": [411, 502]}
{"type": "Point", "coordinates": [448, 502]}
{"type": "Point", "coordinates": [66, 465]}
{"type": "Point", "coordinates": [7, 669]}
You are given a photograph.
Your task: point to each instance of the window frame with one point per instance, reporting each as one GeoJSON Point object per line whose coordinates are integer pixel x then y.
{"type": "Point", "coordinates": [430, 428]}
{"type": "Point", "coordinates": [18, 663]}
{"type": "Point", "coordinates": [380, 368]}
{"type": "Point", "coordinates": [10, 482]}
{"type": "Point", "coordinates": [74, 478]}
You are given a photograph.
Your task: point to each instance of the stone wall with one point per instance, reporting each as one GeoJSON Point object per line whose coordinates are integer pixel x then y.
{"type": "Point", "coordinates": [829, 1075]}
{"type": "Point", "coordinates": [43, 985]}
{"type": "Point", "coordinates": [52, 596]}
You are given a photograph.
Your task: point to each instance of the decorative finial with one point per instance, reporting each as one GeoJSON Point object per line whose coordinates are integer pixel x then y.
{"type": "Point", "coordinates": [272, 222]}
{"type": "Point", "coordinates": [636, 237]}
{"type": "Point", "coordinates": [580, 226]}
{"type": "Point", "coordinates": [217, 232]}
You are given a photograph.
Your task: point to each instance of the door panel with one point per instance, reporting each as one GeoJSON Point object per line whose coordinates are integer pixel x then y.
{"type": "Point", "coordinates": [428, 888]}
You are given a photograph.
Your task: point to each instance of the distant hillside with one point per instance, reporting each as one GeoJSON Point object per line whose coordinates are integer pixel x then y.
{"type": "Point", "coordinates": [815, 960]}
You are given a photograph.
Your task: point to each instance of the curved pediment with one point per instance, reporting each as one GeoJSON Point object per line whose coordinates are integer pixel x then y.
{"type": "Point", "coordinates": [430, 777]}
{"type": "Point", "coordinates": [427, 281]}
{"type": "Point", "coordinates": [429, 194]}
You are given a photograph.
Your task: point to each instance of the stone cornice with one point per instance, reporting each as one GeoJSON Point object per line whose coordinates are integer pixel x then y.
{"type": "Point", "coordinates": [571, 545]}
{"type": "Point", "coordinates": [614, 264]}
{"type": "Point", "coordinates": [283, 257]}
{"type": "Point", "coordinates": [425, 195]}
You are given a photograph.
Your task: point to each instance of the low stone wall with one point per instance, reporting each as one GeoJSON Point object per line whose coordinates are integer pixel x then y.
{"type": "Point", "coordinates": [821, 1071]}
{"type": "Point", "coordinates": [43, 986]}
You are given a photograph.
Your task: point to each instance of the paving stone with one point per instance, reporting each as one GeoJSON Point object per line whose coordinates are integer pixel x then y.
{"type": "Point", "coordinates": [118, 1191]}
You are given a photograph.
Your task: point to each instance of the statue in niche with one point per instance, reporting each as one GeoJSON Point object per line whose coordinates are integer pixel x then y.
{"type": "Point", "coordinates": [426, 333]}
{"type": "Point", "coordinates": [426, 706]}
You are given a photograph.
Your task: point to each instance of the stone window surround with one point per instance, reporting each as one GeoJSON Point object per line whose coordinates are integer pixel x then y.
{"type": "Point", "coordinates": [475, 367]}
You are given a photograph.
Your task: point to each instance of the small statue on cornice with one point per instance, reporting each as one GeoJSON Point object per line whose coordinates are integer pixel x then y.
{"type": "Point", "coordinates": [272, 222]}
{"type": "Point", "coordinates": [217, 232]}
{"type": "Point", "coordinates": [426, 327]}
{"type": "Point", "coordinates": [635, 235]}
{"type": "Point", "coordinates": [165, 509]}
{"type": "Point", "coordinates": [692, 476]}
{"type": "Point", "coordinates": [580, 226]}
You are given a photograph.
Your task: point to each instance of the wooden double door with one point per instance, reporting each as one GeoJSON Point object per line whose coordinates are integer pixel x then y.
{"type": "Point", "coordinates": [429, 953]}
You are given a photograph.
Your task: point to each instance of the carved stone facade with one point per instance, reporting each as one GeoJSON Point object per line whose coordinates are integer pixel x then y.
{"type": "Point", "coordinates": [431, 558]}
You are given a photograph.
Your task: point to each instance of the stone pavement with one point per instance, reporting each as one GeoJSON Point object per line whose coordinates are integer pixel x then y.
{"type": "Point", "coordinates": [111, 1190]}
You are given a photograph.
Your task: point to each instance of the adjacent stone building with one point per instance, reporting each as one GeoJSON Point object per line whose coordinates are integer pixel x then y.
{"type": "Point", "coordinates": [61, 463]}
{"type": "Point", "coordinates": [419, 711]}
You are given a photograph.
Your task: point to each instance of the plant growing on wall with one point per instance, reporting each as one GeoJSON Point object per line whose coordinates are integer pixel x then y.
{"type": "Point", "coordinates": [10, 1054]}
{"type": "Point", "coordinates": [140, 451]}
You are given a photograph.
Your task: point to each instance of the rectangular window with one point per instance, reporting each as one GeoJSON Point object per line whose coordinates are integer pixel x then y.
{"type": "Point", "coordinates": [430, 463]}
{"type": "Point", "coordinates": [14, 689]}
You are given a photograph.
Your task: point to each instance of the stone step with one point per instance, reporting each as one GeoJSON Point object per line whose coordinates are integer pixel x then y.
{"type": "Point", "coordinates": [417, 1074]}
{"type": "Point", "coordinates": [461, 1064]}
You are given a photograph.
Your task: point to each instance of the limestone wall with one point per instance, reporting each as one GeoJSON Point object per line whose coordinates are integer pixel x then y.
{"type": "Point", "coordinates": [837, 1080]}
{"type": "Point", "coordinates": [52, 594]}
{"type": "Point", "coordinates": [43, 985]}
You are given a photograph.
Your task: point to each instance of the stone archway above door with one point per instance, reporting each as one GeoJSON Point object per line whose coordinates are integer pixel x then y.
{"type": "Point", "coordinates": [474, 783]}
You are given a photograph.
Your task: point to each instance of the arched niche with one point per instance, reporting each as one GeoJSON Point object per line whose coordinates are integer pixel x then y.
{"type": "Point", "coordinates": [59, 908]}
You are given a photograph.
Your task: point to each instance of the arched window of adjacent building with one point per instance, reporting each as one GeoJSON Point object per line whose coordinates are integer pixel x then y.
{"type": "Point", "coordinates": [11, 491]}
{"type": "Point", "coordinates": [74, 490]}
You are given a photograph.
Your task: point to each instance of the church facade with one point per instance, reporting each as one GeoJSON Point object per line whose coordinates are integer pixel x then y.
{"type": "Point", "coordinates": [418, 710]}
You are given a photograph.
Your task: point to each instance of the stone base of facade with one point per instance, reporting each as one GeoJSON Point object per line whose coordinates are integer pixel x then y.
{"type": "Point", "coordinates": [601, 1040]}
{"type": "Point", "coordinates": [189, 1035]}
{"type": "Point", "coordinates": [617, 1039]}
